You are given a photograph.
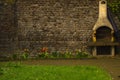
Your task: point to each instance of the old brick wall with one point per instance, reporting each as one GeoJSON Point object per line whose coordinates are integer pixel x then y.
{"type": "Point", "coordinates": [56, 24]}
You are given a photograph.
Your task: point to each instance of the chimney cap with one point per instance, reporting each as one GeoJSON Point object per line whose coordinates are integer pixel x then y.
{"type": "Point", "coordinates": [103, 1]}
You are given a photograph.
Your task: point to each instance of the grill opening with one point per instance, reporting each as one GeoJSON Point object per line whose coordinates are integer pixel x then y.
{"type": "Point", "coordinates": [103, 34]}
{"type": "Point", "coordinates": [103, 50]}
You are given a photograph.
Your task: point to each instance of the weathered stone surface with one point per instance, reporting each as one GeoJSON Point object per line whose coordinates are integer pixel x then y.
{"type": "Point", "coordinates": [7, 28]}
{"type": "Point", "coordinates": [56, 24]}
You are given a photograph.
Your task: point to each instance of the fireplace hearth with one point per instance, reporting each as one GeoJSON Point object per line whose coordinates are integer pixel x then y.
{"type": "Point", "coordinates": [103, 33]}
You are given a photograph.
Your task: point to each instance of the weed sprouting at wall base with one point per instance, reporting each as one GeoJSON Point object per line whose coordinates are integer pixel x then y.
{"type": "Point", "coordinates": [1, 71]}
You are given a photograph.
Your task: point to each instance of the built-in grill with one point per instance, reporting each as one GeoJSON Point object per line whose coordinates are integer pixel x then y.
{"type": "Point", "coordinates": [103, 33]}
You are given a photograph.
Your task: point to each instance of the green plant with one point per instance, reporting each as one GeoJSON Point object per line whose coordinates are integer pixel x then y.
{"type": "Point", "coordinates": [1, 71]}
{"type": "Point", "coordinates": [24, 56]}
{"type": "Point", "coordinates": [62, 55]}
{"type": "Point", "coordinates": [46, 54]}
{"type": "Point", "coordinates": [68, 54]}
{"type": "Point", "coordinates": [55, 54]}
{"type": "Point", "coordinates": [15, 56]}
{"type": "Point", "coordinates": [81, 54]}
{"type": "Point", "coordinates": [43, 55]}
{"type": "Point", "coordinates": [115, 7]}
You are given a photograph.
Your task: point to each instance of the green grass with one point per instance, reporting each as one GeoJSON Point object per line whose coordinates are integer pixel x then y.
{"type": "Point", "coordinates": [17, 71]}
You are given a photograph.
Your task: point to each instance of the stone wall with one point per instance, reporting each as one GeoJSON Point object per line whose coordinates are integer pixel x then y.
{"type": "Point", "coordinates": [7, 27]}
{"type": "Point", "coordinates": [56, 24]}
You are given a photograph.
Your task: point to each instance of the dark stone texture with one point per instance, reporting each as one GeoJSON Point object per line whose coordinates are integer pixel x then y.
{"type": "Point", "coordinates": [7, 28]}
{"type": "Point", "coordinates": [56, 24]}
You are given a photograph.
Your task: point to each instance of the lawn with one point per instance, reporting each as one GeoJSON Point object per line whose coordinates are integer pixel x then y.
{"type": "Point", "coordinates": [18, 71]}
